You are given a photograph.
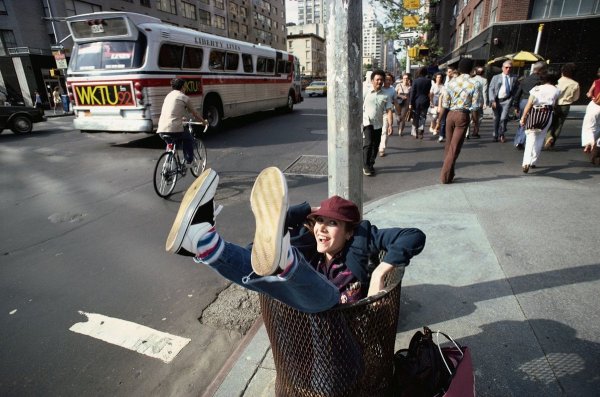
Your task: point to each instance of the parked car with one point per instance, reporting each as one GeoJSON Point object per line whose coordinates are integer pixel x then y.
{"type": "Point", "coordinates": [20, 119]}
{"type": "Point", "coordinates": [317, 88]}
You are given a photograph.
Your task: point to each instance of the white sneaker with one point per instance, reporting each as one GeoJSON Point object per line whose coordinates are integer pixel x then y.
{"type": "Point", "coordinates": [197, 206]}
{"type": "Point", "coordinates": [269, 203]}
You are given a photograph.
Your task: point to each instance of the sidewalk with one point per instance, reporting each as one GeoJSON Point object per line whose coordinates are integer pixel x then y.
{"type": "Point", "coordinates": [507, 270]}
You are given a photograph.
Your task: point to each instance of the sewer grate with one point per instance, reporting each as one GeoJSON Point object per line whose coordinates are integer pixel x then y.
{"type": "Point", "coordinates": [308, 165]}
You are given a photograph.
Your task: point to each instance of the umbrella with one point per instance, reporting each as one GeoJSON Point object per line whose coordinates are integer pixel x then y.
{"type": "Point", "coordinates": [521, 57]}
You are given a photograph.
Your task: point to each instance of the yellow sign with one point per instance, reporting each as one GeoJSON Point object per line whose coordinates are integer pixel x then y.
{"type": "Point", "coordinates": [410, 21]}
{"type": "Point", "coordinates": [412, 4]}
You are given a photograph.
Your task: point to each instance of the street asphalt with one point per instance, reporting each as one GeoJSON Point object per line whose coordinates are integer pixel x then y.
{"type": "Point", "coordinates": [510, 269]}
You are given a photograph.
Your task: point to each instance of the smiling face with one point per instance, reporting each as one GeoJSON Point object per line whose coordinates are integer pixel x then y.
{"type": "Point", "coordinates": [331, 235]}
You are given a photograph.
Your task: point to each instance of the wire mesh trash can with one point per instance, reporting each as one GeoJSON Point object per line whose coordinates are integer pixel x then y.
{"type": "Point", "coordinates": [345, 351]}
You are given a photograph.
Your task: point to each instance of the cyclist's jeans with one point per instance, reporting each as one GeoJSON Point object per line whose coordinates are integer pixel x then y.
{"type": "Point", "coordinates": [302, 287]}
{"type": "Point", "coordinates": [187, 141]}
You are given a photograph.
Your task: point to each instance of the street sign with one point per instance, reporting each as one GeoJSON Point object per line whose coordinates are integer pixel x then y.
{"type": "Point", "coordinates": [410, 21]}
{"type": "Point", "coordinates": [408, 35]}
{"type": "Point", "coordinates": [59, 57]}
{"type": "Point", "coordinates": [412, 4]}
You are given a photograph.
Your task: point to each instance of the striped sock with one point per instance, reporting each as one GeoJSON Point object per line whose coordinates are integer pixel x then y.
{"type": "Point", "coordinates": [289, 263]}
{"type": "Point", "coordinates": [209, 247]}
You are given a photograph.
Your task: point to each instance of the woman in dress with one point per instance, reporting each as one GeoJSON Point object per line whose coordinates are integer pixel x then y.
{"type": "Point", "coordinates": [590, 129]}
{"type": "Point", "coordinates": [403, 92]}
{"type": "Point", "coordinates": [434, 98]}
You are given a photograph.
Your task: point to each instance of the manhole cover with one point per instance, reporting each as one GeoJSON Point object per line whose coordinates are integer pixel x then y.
{"type": "Point", "coordinates": [308, 165]}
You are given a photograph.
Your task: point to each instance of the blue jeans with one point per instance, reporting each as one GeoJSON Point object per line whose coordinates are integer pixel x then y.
{"type": "Point", "coordinates": [520, 135]}
{"type": "Point", "coordinates": [185, 139]}
{"type": "Point", "coordinates": [302, 288]}
{"type": "Point", "coordinates": [501, 117]}
{"type": "Point", "coordinates": [443, 124]}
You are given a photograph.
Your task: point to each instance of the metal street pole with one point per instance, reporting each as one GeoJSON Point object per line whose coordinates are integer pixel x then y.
{"type": "Point", "coordinates": [537, 41]}
{"type": "Point", "coordinates": [344, 100]}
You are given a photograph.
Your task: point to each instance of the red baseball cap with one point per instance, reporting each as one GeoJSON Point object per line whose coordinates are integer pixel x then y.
{"type": "Point", "coordinates": [338, 208]}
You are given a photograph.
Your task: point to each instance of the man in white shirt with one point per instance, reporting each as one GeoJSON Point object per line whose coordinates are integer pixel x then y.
{"type": "Point", "coordinates": [376, 104]}
{"type": "Point", "coordinates": [175, 107]}
{"type": "Point", "coordinates": [391, 93]}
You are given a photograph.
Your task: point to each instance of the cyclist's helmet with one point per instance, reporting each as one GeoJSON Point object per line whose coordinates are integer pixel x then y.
{"type": "Point", "coordinates": [177, 84]}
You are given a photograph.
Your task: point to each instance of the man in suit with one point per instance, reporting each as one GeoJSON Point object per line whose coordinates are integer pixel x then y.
{"type": "Point", "coordinates": [419, 101]}
{"type": "Point", "coordinates": [502, 88]}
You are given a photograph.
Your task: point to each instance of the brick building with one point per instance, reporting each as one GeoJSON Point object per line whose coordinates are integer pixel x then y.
{"type": "Point", "coordinates": [486, 29]}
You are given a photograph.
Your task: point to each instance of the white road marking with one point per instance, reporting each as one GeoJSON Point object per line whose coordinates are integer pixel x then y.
{"type": "Point", "coordinates": [132, 336]}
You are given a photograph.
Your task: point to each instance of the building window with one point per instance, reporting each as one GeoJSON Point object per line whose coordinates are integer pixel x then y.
{"type": "Point", "coordinates": [166, 6]}
{"type": "Point", "coordinates": [290, 44]}
{"type": "Point", "coordinates": [204, 18]}
{"type": "Point", "coordinates": [74, 7]}
{"type": "Point", "coordinates": [219, 22]}
{"type": "Point", "coordinates": [233, 8]}
{"type": "Point", "coordinates": [244, 29]}
{"type": "Point", "coordinates": [243, 12]}
{"type": "Point", "coordinates": [461, 34]}
{"type": "Point", "coordinates": [7, 40]}
{"type": "Point", "coordinates": [219, 4]}
{"type": "Point", "coordinates": [145, 3]}
{"type": "Point", "coordinates": [207, 2]}
{"type": "Point", "coordinates": [477, 19]}
{"type": "Point", "coordinates": [3, 8]}
{"type": "Point", "coordinates": [189, 10]}
{"type": "Point", "coordinates": [564, 8]}
{"type": "Point", "coordinates": [493, 11]}
{"type": "Point", "coordinates": [234, 27]}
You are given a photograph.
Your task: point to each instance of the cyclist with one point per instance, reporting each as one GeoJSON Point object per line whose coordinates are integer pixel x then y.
{"type": "Point", "coordinates": [174, 108]}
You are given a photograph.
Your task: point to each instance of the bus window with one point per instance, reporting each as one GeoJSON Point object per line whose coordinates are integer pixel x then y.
{"type": "Point", "coordinates": [216, 60]}
{"type": "Point", "coordinates": [107, 55]}
{"type": "Point", "coordinates": [280, 66]}
{"type": "Point", "coordinates": [232, 61]}
{"type": "Point", "coordinates": [192, 58]}
{"type": "Point", "coordinates": [247, 61]}
{"type": "Point", "coordinates": [270, 66]}
{"type": "Point", "coordinates": [288, 67]}
{"type": "Point", "coordinates": [170, 56]}
{"type": "Point", "coordinates": [261, 65]}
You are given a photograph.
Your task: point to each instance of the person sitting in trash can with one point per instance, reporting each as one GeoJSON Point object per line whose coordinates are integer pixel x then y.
{"type": "Point", "coordinates": [308, 258]}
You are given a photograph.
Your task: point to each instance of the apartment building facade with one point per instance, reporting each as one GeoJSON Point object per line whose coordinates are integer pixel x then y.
{"type": "Point", "coordinates": [27, 34]}
{"type": "Point", "coordinates": [311, 52]}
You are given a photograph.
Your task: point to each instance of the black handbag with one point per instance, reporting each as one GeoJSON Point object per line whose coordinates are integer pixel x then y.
{"type": "Point", "coordinates": [419, 370]}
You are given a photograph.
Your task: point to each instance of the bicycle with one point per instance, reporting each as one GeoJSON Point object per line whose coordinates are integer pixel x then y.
{"type": "Point", "coordinates": [170, 165]}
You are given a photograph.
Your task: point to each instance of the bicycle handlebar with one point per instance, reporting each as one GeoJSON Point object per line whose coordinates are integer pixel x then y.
{"type": "Point", "coordinates": [190, 122]}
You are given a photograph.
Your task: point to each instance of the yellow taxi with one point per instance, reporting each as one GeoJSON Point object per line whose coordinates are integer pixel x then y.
{"type": "Point", "coordinates": [317, 88]}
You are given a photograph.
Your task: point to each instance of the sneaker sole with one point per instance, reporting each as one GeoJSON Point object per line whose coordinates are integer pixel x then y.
{"type": "Point", "coordinates": [201, 191]}
{"type": "Point", "coordinates": [269, 204]}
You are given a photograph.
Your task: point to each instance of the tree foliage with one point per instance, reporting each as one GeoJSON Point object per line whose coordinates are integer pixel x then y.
{"type": "Point", "coordinates": [392, 19]}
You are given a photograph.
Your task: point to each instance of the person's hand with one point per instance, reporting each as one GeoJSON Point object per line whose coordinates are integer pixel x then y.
{"type": "Point", "coordinates": [494, 105]}
{"type": "Point", "coordinates": [522, 121]}
{"type": "Point", "coordinates": [377, 278]}
{"type": "Point", "coordinates": [390, 131]}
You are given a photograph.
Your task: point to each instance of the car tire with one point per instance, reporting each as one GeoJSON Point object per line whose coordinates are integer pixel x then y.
{"type": "Point", "coordinates": [21, 125]}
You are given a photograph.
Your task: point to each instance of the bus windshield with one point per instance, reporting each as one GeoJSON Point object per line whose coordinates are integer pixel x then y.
{"type": "Point", "coordinates": [105, 55]}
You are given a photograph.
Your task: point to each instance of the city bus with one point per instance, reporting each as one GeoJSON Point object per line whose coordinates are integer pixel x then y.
{"type": "Point", "coordinates": [122, 64]}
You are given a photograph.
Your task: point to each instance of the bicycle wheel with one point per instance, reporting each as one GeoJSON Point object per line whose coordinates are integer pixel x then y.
{"type": "Point", "coordinates": [199, 163]}
{"type": "Point", "coordinates": [165, 174]}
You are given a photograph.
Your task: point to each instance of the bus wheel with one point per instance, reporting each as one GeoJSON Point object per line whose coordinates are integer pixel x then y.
{"type": "Point", "coordinates": [213, 114]}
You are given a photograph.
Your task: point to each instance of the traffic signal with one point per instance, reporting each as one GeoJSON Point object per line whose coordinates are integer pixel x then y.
{"type": "Point", "coordinates": [423, 52]}
{"type": "Point", "coordinates": [412, 52]}
{"type": "Point", "coordinates": [55, 72]}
